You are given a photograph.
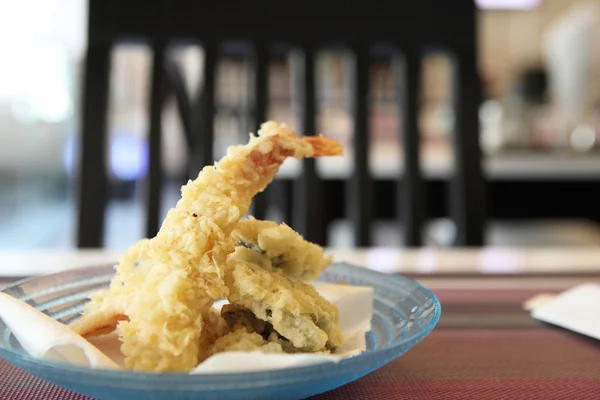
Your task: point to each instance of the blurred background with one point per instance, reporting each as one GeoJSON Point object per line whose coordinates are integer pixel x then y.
{"type": "Point", "coordinates": [539, 125]}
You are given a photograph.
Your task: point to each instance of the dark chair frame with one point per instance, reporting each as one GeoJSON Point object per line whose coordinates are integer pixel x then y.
{"type": "Point", "coordinates": [408, 28]}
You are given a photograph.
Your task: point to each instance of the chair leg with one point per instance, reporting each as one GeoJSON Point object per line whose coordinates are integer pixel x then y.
{"type": "Point", "coordinates": [92, 177]}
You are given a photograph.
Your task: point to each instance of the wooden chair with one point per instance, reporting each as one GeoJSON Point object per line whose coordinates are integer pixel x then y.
{"type": "Point", "coordinates": [407, 28]}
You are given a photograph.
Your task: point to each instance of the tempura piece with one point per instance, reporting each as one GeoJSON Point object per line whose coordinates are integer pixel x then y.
{"type": "Point", "coordinates": [107, 307]}
{"type": "Point", "coordinates": [238, 317]}
{"type": "Point", "coordinates": [187, 258]}
{"type": "Point", "coordinates": [241, 318]}
{"type": "Point", "coordinates": [242, 340]}
{"type": "Point", "coordinates": [280, 247]}
{"type": "Point", "coordinates": [295, 309]}
{"type": "Point", "coordinates": [215, 326]}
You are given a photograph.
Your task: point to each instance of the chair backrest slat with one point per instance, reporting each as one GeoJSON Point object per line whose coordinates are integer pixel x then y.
{"type": "Point", "coordinates": [92, 172]}
{"type": "Point", "coordinates": [176, 85]}
{"type": "Point", "coordinates": [260, 76]}
{"type": "Point", "coordinates": [307, 196]}
{"type": "Point", "coordinates": [203, 112]}
{"type": "Point", "coordinates": [360, 187]}
{"type": "Point", "coordinates": [157, 81]}
{"type": "Point", "coordinates": [407, 74]}
{"type": "Point", "coordinates": [467, 189]}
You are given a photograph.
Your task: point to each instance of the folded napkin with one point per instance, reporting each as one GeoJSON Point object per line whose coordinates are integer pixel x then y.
{"type": "Point", "coordinates": [44, 338]}
{"type": "Point", "coordinates": [577, 309]}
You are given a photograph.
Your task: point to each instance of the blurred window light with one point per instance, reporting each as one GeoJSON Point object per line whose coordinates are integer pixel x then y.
{"type": "Point", "coordinates": [26, 17]}
{"type": "Point", "coordinates": [128, 158]}
{"type": "Point", "coordinates": [64, 21]}
{"type": "Point", "coordinates": [69, 153]}
{"type": "Point", "coordinates": [23, 112]}
{"type": "Point", "coordinates": [508, 4]}
{"type": "Point", "coordinates": [583, 138]}
{"type": "Point", "coordinates": [35, 83]}
{"type": "Point", "coordinates": [38, 49]}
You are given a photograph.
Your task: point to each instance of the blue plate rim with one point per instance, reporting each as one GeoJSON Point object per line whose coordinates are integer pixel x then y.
{"type": "Point", "coordinates": [306, 373]}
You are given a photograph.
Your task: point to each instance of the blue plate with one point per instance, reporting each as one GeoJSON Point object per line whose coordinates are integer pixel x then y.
{"type": "Point", "coordinates": [404, 313]}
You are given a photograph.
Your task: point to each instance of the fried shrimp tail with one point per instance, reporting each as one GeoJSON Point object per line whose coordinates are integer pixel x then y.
{"type": "Point", "coordinates": [323, 146]}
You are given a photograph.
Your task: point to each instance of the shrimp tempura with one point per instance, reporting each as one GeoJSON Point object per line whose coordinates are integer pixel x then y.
{"type": "Point", "coordinates": [188, 255]}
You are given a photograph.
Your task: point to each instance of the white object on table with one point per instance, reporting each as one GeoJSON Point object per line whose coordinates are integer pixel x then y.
{"type": "Point", "coordinates": [577, 309]}
{"type": "Point", "coordinates": [48, 339]}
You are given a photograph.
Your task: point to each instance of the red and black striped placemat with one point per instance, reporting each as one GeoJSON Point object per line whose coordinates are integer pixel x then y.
{"type": "Point", "coordinates": [485, 347]}
{"type": "Point", "coordinates": [449, 364]}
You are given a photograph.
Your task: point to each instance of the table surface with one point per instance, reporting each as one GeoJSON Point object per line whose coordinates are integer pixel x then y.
{"type": "Point", "coordinates": [485, 345]}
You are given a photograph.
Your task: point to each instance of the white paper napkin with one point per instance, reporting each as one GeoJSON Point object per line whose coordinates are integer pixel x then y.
{"type": "Point", "coordinates": [42, 337]}
{"type": "Point", "coordinates": [577, 309]}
